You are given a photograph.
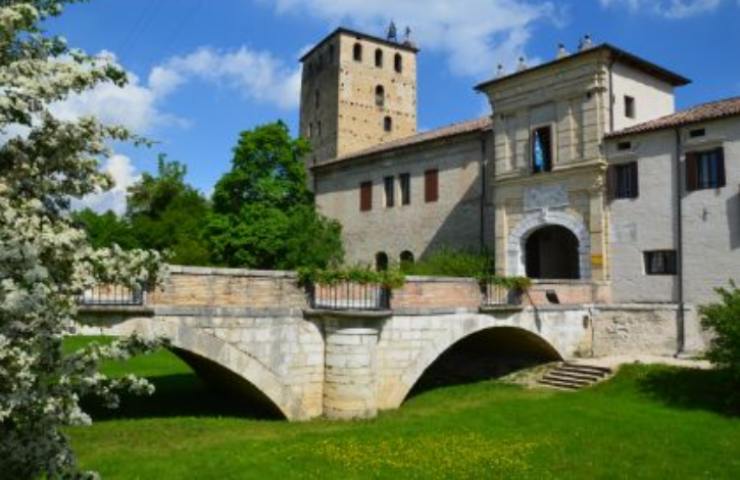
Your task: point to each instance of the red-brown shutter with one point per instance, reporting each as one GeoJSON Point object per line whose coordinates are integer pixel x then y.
{"type": "Point", "coordinates": [366, 196]}
{"type": "Point", "coordinates": [721, 180]}
{"type": "Point", "coordinates": [691, 171]}
{"type": "Point", "coordinates": [635, 181]}
{"type": "Point", "coordinates": [431, 186]}
{"type": "Point", "coordinates": [611, 182]}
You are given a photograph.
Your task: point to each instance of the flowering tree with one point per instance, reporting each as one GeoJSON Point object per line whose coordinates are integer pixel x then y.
{"type": "Point", "coordinates": [45, 261]}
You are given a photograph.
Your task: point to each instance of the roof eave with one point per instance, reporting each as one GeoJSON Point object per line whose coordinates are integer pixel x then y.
{"type": "Point", "coordinates": [673, 78]}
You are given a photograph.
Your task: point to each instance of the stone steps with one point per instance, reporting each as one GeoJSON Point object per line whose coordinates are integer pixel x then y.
{"type": "Point", "coordinates": [571, 376]}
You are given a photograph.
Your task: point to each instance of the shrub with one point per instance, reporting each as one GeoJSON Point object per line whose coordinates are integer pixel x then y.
{"type": "Point", "coordinates": [448, 262]}
{"type": "Point", "coordinates": [391, 278]}
{"type": "Point", "coordinates": [723, 319]}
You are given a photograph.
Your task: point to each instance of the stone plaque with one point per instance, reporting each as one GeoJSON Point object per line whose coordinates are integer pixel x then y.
{"type": "Point", "coordinates": [545, 196]}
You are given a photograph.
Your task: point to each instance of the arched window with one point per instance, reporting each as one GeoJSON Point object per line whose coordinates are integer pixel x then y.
{"type": "Point", "coordinates": [398, 63]}
{"type": "Point", "coordinates": [407, 258]}
{"type": "Point", "coordinates": [357, 52]}
{"type": "Point", "coordinates": [318, 129]}
{"type": "Point", "coordinates": [388, 124]}
{"type": "Point", "coordinates": [308, 130]}
{"type": "Point", "coordinates": [381, 261]}
{"type": "Point", "coordinates": [379, 95]}
{"type": "Point", "coordinates": [379, 58]}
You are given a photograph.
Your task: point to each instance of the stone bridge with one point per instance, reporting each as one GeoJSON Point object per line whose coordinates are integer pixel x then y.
{"type": "Point", "coordinates": [254, 331]}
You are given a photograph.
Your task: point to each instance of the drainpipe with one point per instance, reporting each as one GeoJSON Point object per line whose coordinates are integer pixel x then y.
{"type": "Point", "coordinates": [483, 193]}
{"type": "Point", "coordinates": [611, 95]}
{"type": "Point", "coordinates": [680, 320]}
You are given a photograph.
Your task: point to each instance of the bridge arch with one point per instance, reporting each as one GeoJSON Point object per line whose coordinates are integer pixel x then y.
{"type": "Point", "coordinates": [499, 335]}
{"type": "Point", "coordinates": [204, 351]}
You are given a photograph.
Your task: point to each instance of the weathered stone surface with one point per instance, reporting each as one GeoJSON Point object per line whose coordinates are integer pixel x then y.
{"type": "Point", "coordinates": [347, 365]}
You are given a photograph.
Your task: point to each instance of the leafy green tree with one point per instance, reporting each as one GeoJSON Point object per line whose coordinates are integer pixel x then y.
{"type": "Point", "coordinates": [723, 320]}
{"type": "Point", "coordinates": [264, 215]}
{"type": "Point", "coordinates": [106, 229]}
{"type": "Point", "coordinates": [168, 215]}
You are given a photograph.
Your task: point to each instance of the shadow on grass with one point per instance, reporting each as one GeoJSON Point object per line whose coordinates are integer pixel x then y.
{"type": "Point", "coordinates": [181, 395]}
{"type": "Point", "coordinates": [711, 390]}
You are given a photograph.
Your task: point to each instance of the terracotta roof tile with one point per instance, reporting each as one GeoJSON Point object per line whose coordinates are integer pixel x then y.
{"type": "Point", "coordinates": [700, 113]}
{"type": "Point", "coordinates": [479, 124]}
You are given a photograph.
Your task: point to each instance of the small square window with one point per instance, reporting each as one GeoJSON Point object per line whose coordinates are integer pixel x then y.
{"type": "Point", "coordinates": [697, 132]}
{"type": "Point", "coordinates": [623, 146]}
{"type": "Point", "coordinates": [405, 182]}
{"type": "Point", "coordinates": [629, 106]}
{"type": "Point", "coordinates": [660, 262]}
{"type": "Point", "coordinates": [541, 144]}
{"type": "Point", "coordinates": [389, 188]}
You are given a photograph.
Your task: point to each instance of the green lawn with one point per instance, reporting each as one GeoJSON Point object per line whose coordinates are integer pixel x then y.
{"type": "Point", "coordinates": [648, 422]}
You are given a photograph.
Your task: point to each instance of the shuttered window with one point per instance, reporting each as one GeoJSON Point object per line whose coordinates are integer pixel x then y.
{"type": "Point", "coordinates": [431, 185]}
{"type": "Point", "coordinates": [366, 196]}
{"type": "Point", "coordinates": [623, 181]}
{"type": "Point", "coordinates": [405, 180]}
{"type": "Point", "coordinates": [390, 190]}
{"type": "Point", "coordinates": [705, 169]}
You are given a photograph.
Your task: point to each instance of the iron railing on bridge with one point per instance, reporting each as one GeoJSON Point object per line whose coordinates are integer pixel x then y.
{"type": "Point", "coordinates": [112, 295]}
{"type": "Point", "coordinates": [349, 296]}
{"type": "Point", "coordinates": [495, 295]}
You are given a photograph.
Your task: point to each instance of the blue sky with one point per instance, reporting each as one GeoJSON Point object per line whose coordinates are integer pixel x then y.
{"type": "Point", "coordinates": [204, 70]}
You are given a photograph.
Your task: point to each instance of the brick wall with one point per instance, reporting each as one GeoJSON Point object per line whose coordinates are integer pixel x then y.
{"type": "Point", "coordinates": [437, 293]}
{"type": "Point", "coordinates": [223, 287]}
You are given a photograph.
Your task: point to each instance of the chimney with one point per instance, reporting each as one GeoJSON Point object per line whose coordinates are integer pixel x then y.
{"type": "Point", "coordinates": [521, 66]}
{"type": "Point", "coordinates": [562, 52]}
{"type": "Point", "coordinates": [586, 43]}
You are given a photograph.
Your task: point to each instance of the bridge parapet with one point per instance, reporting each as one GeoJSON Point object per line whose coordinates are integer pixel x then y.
{"type": "Point", "coordinates": [309, 362]}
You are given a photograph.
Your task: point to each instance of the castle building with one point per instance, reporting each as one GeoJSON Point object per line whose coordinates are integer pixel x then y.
{"type": "Point", "coordinates": [584, 173]}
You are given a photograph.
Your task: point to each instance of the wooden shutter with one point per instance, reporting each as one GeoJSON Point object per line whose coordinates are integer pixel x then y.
{"type": "Point", "coordinates": [635, 180]}
{"type": "Point", "coordinates": [692, 171]}
{"type": "Point", "coordinates": [721, 181]}
{"type": "Point", "coordinates": [611, 182]}
{"type": "Point", "coordinates": [431, 186]}
{"type": "Point", "coordinates": [366, 196]}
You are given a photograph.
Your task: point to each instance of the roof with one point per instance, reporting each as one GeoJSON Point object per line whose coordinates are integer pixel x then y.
{"type": "Point", "coordinates": [618, 54]}
{"type": "Point", "coordinates": [355, 33]}
{"type": "Point", "coordinates": [707, 111]}
{"type": "Point", "coordinates": [470, 126]}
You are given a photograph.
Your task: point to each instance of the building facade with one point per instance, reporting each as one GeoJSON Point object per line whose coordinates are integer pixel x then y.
{"type": "Point", "coordinates": [538, 182]}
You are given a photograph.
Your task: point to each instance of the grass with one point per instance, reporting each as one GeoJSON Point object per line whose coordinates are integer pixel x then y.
{"type": "Point", "coordinates": [647, 422]}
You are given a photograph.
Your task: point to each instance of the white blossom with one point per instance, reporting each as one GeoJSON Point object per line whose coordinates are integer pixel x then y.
{"type": "Point", "coordinates": [45, 261]}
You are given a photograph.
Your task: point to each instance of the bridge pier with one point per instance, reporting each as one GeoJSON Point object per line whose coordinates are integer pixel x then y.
{"type": "Point", "coordinates": [350, 364]}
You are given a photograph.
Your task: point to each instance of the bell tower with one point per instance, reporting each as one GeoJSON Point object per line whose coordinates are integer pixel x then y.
{"type": "Point", "coordinates": [357, 91]}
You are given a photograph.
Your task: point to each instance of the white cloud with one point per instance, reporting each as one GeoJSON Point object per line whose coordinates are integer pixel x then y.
{"type": "Point", "coordinates": [474, 34]}
{"type": "Point", "coordinates": [135, 105]}
{"type": "Point", "coordinates": [257, 75]}
{"type": "Point", "coordinates": [124, 175]}
{"type": "Point", "coordinates": [673, 9]}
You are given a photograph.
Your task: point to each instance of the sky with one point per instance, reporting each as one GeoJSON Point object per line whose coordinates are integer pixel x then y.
{"type": "Point", "coordinates": [201, 71]}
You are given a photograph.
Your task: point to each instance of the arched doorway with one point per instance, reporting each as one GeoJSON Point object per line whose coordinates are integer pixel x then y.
{"type": "Point", "coordinates": [487, 354]}
{"type": "Point", "coordinates": [551, 252]}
